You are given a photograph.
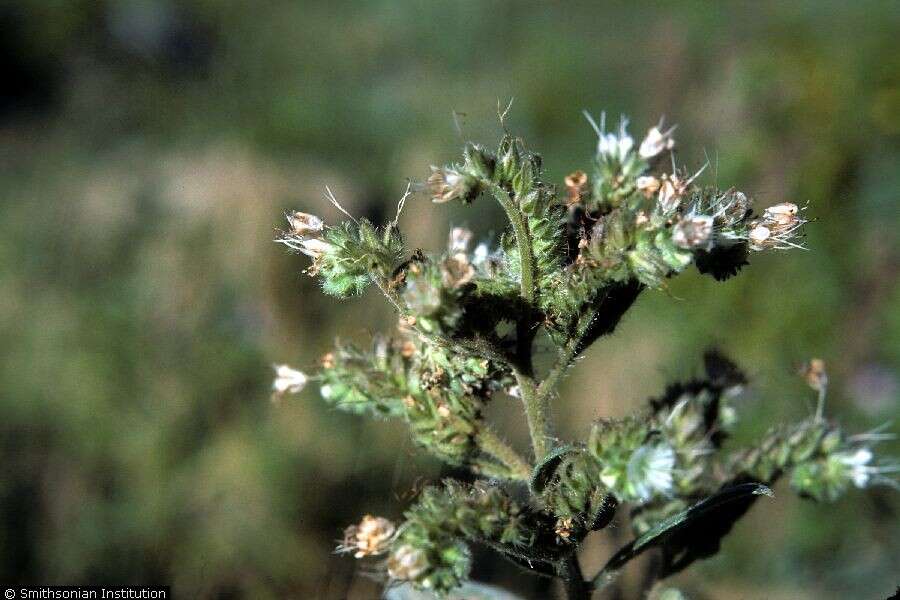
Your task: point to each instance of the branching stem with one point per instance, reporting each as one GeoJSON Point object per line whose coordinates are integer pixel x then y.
{"type": "Point", "coordinates": [537, 413]}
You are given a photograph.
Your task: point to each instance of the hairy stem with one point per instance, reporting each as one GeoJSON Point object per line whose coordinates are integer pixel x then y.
{"type": "Point", "coordinates": [566, 355]}
{"type": "Point", "coordinates": [490, 443]}
{"type": "Point", "coordinates": [537, 413]}
{"type": "Point", "coordinates": [523, 241]}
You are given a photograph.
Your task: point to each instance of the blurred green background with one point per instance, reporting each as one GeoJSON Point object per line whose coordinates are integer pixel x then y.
{"type": "Point", "coordinates": [149, 148]}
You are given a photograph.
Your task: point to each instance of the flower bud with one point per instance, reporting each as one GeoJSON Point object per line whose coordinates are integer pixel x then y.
{"type": "Point", "coordinates": [314, 247]}
{"type": "Point", "coordinates": [759, 237]}
{"type": "Point", "coordinates": [781, 214]}
{"type": "Point", "coordinates": [575, 185]}
{"type": "Point", "coordinates": [815, 375]}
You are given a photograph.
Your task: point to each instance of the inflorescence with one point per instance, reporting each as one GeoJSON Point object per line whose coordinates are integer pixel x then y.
{"type": "Point", "coordinates": [570, 265]}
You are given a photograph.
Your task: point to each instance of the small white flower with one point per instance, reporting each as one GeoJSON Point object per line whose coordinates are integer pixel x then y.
{"type": "Point", "coordinates": [288, 380]}
{"type": "Point", "coordinates": [656, 142]}
{"type": "Point", "coordinates": [460, 237]}
{"type": "Point", "coordinates": [857, 464]}
{"type": "Point", "coordinates": [481, 254]}
{"type": "Point", "coordinates": [611, 145]}
{"type": "Point", "coordinates": [650, 471]}
{"type": "Point", "coordinates": [447, 184]}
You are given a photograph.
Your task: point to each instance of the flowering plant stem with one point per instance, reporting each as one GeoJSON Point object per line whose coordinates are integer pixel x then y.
{"type": "Point", "coordinates": [523, 240]}
{"type": "Point", "coordinates": [468, 325]}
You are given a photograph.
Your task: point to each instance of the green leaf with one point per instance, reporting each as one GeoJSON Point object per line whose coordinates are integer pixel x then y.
{"type": "Point", "coordinates": [693, 533]}
{"type": "Point", "coordinates": [545, 469]}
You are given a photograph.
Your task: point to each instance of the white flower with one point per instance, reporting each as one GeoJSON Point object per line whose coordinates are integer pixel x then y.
{"type": "Point", "coordinates": [650, 471]}
{"type": "Point", "coordinates": [481, 254]}
{"type": "Point", "coordinates": [656, 142]}
{"type": "Point", "coordinates": [288, 380]}
{"type": "Point", "coordinates": [407, 563]}
{"type": "Point", "coordinates": [615, 146]}
{"type": "Point", "coordinates": [611, 145]}
{"type": "Point", "coordinates": [857, 464]}
{"type": "Point", "coordinates": [447, 184]}
{"type": "Point", "coordinates": [460, 237]}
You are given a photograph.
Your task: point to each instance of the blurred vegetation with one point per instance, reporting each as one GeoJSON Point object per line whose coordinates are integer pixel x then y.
{"type": "Point", "coordinates": [148, 149]}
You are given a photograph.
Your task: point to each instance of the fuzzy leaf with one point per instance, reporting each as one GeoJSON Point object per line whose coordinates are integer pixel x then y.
{"type": "Point", "coordinates": [695, 532]}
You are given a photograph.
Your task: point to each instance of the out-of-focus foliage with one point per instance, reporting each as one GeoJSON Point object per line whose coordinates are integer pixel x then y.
{"type": "Point", "coordinates": [148, 149]}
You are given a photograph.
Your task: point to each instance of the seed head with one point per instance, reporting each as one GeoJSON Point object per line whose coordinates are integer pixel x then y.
{"type": "Point", "coordinates": [370, 537]}
{"type": "Point", "coordinates": [647, 185]}
{"type": "Point", "coordinates": [693, 233]}
{"type": "Point", "coordinates": [304, 223]}
{"type": "Point", "coordinates": [448, 184]}
{"type": "Point", "coordinates": [815, 375]}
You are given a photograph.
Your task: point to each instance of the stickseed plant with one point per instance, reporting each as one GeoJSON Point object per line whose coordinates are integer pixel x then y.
{"type": "Point", "coordinates": [568, 268]}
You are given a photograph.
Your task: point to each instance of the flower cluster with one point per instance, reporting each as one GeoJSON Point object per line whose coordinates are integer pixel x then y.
{"type": "Point", "coordinates": [470, 320]}
{"type": "Point", "coordinates": [427, 549]}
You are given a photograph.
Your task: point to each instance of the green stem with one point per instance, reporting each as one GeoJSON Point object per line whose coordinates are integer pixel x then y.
{"type": "Point", "coordinates": [537, 413]}
{"type": "Point", "coordinates": [523, 240]}
{"type": "Point", "coordinates": [566, 356]}
{"type": "Point", "coordinates": [490, 443]}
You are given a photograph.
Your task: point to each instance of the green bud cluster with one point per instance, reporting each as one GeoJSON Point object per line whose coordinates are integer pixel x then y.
{"type": "Point", "coordinates": [357, 253]}
{"type": "Point", "coordinates": [820, 460]}
{"type": "Point", "coordinates": [569, 485]}
{"type": "Point", "coordinates": [443, 518]}
{"type": "Point", "coordinates": [440, 394]}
